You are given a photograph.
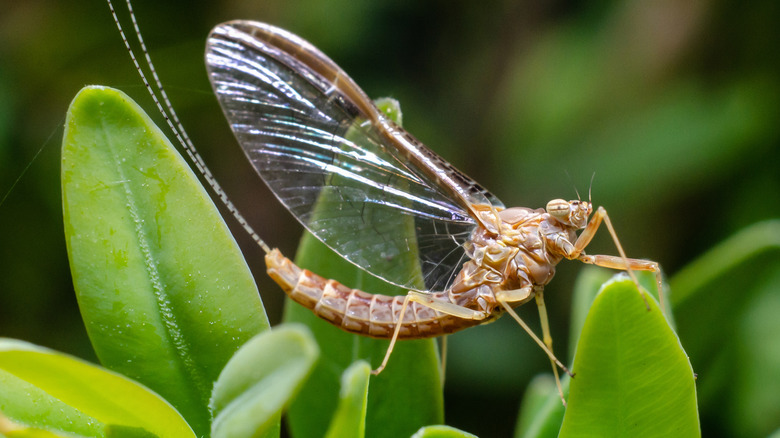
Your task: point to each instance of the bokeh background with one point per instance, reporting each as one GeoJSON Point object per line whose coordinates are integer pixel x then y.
{"type": "Point", "coordinates": [669, 107]}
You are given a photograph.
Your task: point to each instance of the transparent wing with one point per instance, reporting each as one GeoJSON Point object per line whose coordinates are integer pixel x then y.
{"type": "Point", "coordinates": [346, 172]}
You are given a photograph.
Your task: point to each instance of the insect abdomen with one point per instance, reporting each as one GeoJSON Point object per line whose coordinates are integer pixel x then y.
{"type": "Point", "coordinates": [356, 311]}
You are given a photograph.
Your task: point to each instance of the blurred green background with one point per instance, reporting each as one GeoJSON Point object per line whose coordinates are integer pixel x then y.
{"type": "Point", "coordinates": [672, 105]}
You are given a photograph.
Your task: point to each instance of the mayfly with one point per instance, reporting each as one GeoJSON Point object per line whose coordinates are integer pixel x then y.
{"type": "Point", "coordinates": [344, 169]}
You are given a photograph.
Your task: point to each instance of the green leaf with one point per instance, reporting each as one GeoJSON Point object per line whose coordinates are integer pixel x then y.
{"type": "Point", "coordinates": [47, 390]}
{"type": "Point", "coordinates": [441, 432]}
{"type": "Point", "coordinates": [260, 380]}
{"type": "Point", "coordinates": [9, 429]}
{"type": "Point", "coordinates": [588, 284]}
{"type": "Point", "coordinates": [753, 241]}
{"type": "Point", "coordinates": [33, 432]}
{"type": "Point", "coordinates": [633, 378]}
{"type": "Point", "coordinates": [163, 289]}
{"type": "Point", "coordinates": [403, 398]}
{"type": "Point", "coordinates": [407, 394]}
{"type": "Point", "coordinates": [754, 405]}
{"type": "Point", "coordinates": [724, 302]}
{"type": "Point", "coordinates": [119, 431]}
{"type": "Point", "coordinates": [542, 411]}
{"type": "Point", "coordinates": [349, 421]}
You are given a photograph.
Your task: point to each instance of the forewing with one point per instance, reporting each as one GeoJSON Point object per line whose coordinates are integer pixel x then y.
{"type": "Point", "coordinates": [318, 142]}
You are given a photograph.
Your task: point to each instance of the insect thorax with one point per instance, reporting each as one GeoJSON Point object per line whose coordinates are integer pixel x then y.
{"type": "Point", "coordinates": [523, 253]}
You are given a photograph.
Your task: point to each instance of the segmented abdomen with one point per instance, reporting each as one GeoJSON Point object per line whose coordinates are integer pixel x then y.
{"type": "Point", "coordinates": [360, 312]}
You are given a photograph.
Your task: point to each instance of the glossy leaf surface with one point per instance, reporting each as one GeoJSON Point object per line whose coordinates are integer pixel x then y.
{"type": "Point", "coordinates": [349, 421]}
{"type": "Point", "coordinates": [164, 292]}
{"type": "Point", "coordinates": [541, 411]}
{"type": "Point", "coordinates": [633, 378]}
{"type": "Point", "coordinates": [43, 389]}
{"type": "Point", "coordinates": [259, 381]}
{"type": "Point", "coordinates": [441, 432]}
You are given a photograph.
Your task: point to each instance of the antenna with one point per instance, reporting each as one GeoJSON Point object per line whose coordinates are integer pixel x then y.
{"type": "Point", "coordinates": [577, 192]}
{"type": "Point", "coordinates": [173, 122]}
{"type": "Point", "coordinates": [590, 187]}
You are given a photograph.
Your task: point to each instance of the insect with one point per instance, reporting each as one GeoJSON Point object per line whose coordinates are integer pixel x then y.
{"type": "Point", "coordinates": [313, 134]}
{"type": "Point", "coordinates": [344, 169]}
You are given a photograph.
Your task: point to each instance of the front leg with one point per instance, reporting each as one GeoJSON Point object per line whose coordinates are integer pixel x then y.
{"type": "Point", "coordinates": [628, 265]}
{"type": "Point", "coordinates": [613, 262]}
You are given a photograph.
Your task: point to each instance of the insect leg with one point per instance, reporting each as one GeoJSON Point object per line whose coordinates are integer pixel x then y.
{"type": "Point", "coordinates": [548, 339]}
{"type": "Point", "coordinates": [443, 359]}
{"type": "Point", "coordinates": [506, 297]}
{"type": "Point", "coordinates": [614, 262]}
{"type": "Point", "coordinates": [587, 235]}
{"type": "Point", "coordinates": [547, 344]}
{"type": "Point", "coordinates": [427, 301]}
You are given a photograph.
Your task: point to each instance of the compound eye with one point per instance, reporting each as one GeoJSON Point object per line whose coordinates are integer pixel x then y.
{"type": "Point", "coordinates": [558, 208]}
